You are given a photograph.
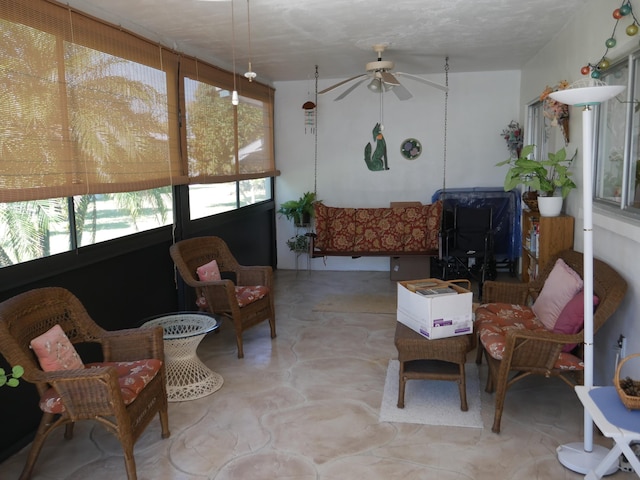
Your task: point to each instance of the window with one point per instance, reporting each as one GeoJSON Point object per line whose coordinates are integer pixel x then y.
{"type": "Point", "coordinates": [99, 125]}
{"type": "Point", "coordinates": [33, 229]}
{"type": "Point", "coordinates": [536, 130]}
{"type": "Point", "coordinates": [107, 216]}
{"type": "Point", "coordinates": [617, 176]}
{"type": "Point", "coordinates": [542, 131]}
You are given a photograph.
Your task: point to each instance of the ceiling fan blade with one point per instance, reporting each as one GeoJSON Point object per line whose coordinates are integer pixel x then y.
{"type": "Point", "coordinates": [349, 90]}
{"type": "Point", "coordinates": [332, 87]}
{"type": "Point", "coordinates": [425, 81]}
{"type": "Point", "coordinates": [389, 79]}
{"type": "Point", "coordinates": [401, 92]}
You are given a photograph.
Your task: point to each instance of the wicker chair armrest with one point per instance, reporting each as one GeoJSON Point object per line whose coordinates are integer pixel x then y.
{"type": "Point", "coordinates": [76, 375]}
{"type": "Point", "coordinates": [535, 349]}
{"type": "Point", "coordinates": [220, 293]}
{"type": "Point", "coordinates": [88, 392]}
{"type": "Point", "coordinates": [505, 292]}
{"type": "Point", "coordinates": [255, 275]}
{"type": "Point", "coordinates": [544, 336]}
{"type": "Point", "coordinates": [133, 344]}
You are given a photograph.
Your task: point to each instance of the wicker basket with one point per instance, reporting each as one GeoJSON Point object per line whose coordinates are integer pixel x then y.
{"type": "Point", "coordinates": [530, 199]}
{"type": "Point", "coordinates": [629, 401]}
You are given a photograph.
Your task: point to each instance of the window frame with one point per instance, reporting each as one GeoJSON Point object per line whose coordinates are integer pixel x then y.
{"type": "Point", "coordinates": [630, 146]}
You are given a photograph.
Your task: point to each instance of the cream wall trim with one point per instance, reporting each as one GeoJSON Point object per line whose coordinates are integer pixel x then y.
{"type": "Point", "coordinates": [625, 227]}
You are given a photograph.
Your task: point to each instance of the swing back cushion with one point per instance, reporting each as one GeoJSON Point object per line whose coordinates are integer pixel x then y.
{"type": "Point", "coordinates": [391, 230]}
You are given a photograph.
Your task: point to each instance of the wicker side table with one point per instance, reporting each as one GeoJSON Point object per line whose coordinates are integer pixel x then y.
{"type": "Point", "coordinates": [424, 359]}
{"type": "Point", "coordinates": [187, 377]}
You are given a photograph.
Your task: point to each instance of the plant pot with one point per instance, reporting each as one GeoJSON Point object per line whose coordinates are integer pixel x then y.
{"type": "Point", "coordinates": [302, 219]}
{"type": "Point", "coordinates": [550, 206]}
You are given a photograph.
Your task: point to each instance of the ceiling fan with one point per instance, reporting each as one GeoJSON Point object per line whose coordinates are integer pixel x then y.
{"type": "Point", "coordinates": [381, 79]}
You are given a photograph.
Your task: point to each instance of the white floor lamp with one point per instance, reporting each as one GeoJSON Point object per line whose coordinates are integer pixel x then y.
{"type": "Point", "coordinates": [583, 457]}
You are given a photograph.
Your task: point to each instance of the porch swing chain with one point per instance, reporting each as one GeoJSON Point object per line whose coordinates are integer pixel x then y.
{"type": "Point", "coordinates": [315, 154]}
{"type": "Point", "coordinates": [446, 104]}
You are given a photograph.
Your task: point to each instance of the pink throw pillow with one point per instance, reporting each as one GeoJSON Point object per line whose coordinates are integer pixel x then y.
{"type": "Point", "coordinates": [571, 319]}
{"type": "Point", "coordinates": [55, 351]}
{"type": "Point", "coordinates": [209, 272]}
{"type": "Point", "coordinates": [562, 284]}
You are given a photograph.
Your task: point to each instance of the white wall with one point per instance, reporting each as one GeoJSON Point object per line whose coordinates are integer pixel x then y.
{"type": "Point", "coordinates": [480, 105]}
{"type": "Point", "coordinates": [615, 238]}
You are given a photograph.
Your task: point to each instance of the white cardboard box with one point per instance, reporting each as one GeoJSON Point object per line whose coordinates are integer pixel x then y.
{"type": "Point", "coordinates": [438, 316]}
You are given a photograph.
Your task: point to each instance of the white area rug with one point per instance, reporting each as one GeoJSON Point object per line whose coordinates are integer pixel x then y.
{"type": "Point", "coordinates": [432, 402]}
{"type": "Point", "coordinates": [358, 304]}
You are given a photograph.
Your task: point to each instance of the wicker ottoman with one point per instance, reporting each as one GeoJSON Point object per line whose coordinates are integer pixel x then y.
{"type": "Point", "coordinates": [423, 359]}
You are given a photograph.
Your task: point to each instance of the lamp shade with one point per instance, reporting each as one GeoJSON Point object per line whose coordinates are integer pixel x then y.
{"type": "Point", "coordinates": [587, 92]}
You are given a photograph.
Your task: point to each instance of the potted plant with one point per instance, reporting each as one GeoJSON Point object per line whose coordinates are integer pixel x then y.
{"type": "Point", "coordinates": [298, 243]}
{"type": "Point", "coordinates": [11, 379]}
{"type": "Point", "coordinates": [301, 210]}
{"type": "Point", "coordinates": [544, 176]}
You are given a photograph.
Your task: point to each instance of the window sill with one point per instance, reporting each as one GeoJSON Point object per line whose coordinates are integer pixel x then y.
{"type": "Point", "coordinates": [615, 220]}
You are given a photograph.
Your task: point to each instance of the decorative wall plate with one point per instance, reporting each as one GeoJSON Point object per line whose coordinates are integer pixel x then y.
{"type": "Point", "coordinates": [411, 149]}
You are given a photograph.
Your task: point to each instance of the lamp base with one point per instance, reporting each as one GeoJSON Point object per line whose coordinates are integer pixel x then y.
{"type": "Point", "coordinates": [575, 458]}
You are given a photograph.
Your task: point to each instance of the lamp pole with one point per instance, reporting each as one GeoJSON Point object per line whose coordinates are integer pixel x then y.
{"type": "Point", "coordinates": [582, 457]}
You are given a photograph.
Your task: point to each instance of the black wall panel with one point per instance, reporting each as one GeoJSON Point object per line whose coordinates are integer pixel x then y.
{"type": "Point", "coordinates": [121, 283]}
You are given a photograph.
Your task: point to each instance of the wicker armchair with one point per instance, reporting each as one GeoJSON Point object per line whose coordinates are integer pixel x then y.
{"type": "Point", "coordinates": [539, 352]}
{"type": "Point", "coordinates": [89, 393]}
{"type": "Point", "coordinates": [221, 296]}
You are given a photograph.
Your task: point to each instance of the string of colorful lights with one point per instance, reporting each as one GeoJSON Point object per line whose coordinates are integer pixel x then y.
{"type": "Point", "coordinates": [619, 14]}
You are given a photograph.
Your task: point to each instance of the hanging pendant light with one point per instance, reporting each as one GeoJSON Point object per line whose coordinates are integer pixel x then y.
{"type": "Point", "coordinates": [234, 96]}
{"type": "Point", "coordinates": [250, 74]}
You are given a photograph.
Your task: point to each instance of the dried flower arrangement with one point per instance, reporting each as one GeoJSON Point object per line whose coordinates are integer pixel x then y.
{"type": "Point", "coordinates": [557, 113]}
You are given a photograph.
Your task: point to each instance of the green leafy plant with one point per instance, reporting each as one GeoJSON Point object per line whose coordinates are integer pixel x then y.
{"type": "Point", "coordinates": [301, 210]}
{"type": "Point", "coordinates": [298, 243]}
{"type": "Point", "coordinates": [545, 176]}
{"type": "Point", "coordinates": [11, 379]}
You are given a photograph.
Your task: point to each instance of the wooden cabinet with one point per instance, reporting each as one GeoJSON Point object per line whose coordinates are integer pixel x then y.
{"type": "Point", "coordinates": [543, 237]}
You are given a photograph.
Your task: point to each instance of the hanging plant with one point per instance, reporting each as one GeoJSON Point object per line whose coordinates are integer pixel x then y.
{"type": "Point", "coordinates": [300, 211]}
{"type": "Point", "coordinates": [298, 243]}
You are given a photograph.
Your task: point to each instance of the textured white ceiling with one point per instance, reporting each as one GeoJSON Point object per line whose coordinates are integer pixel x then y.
{"type": "Point", "coordinates": [290, 37]}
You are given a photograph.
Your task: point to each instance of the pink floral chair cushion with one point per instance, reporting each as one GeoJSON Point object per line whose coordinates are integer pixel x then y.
{"type": "Point", "coordinates": [55, 351]}
{"type": "Point", "coordinates": [132, 376]}
{"type": "Point", "coordinates": [493, 320]}
{"type": "Point", "coordinates": [244, 294]}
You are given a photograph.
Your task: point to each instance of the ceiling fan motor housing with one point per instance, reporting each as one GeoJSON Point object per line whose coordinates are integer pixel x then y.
{"type": "Point", "coordinates": [379, 66]}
